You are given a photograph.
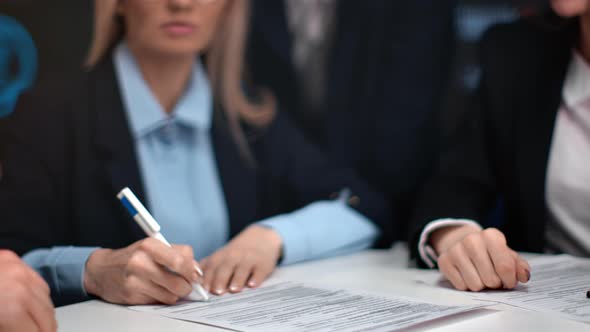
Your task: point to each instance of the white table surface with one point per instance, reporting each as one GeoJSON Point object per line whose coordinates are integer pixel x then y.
{"type": "Point", "coordinates": [381, 271]}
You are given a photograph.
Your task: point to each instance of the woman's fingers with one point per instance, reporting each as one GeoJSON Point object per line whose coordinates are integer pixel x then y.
{"type": "Point", "coordinates": [466, 267]}
{"type": "Point", "coordinates": [483, 260]}
{"type": "Point", "coordinates": [207, 267]}
{"type": "Point", "coordinates": [260, 273]}
{"type": "Point", "coordinates": [523, 269]}
{"type": "Point", "coordinates": [170, 258]}
{"type": "Point", "coordinates": [450, 271]}
{"type": "Point", "coordinates": [502, 258]}
{"type": "Point", "coordinates": [160, 294]}
{"type": "Point", "coordinates": [223, 273]}
{"type": "Point", "coordinates": [142, 291]}
{"type": "Point", "coordinates": [160, 276]}
{"type": "Point", "coordinates": [477, 251]}
{"type": "Point", "coordinates": [241, 274]}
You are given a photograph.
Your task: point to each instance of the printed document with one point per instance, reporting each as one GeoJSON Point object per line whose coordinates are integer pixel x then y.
{"type": "Point", "coordinates": [558, 285]}
{"type": "Point", "coordinates": [290, 307]}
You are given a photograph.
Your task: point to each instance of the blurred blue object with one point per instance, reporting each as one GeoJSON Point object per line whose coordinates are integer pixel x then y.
{"type": "Point", "coordinates": [18, 63]}
{"type": "Point", "coordinates": [473, 20]}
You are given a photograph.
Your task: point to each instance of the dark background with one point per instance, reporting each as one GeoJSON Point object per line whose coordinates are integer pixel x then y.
{"type": "Point", "coordinates": [62, 30]}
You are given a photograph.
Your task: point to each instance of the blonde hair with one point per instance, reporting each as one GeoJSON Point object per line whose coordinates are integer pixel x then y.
{"type": "Point", "coordinates": [225, 65]}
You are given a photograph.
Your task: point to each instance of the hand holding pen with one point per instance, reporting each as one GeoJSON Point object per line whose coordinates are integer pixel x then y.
{"type": "Point", "coordinates": [141, 273]}
{"type": "Point", "coordinates": [148, 271]}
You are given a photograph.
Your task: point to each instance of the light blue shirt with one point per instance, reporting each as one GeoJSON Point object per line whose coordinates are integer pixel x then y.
{"type": "Point", "coordinates": [179, 172]}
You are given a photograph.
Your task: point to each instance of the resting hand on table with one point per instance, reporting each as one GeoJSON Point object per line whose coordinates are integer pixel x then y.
{"type": "Point", "coordinates": [474, 259]}
{"type": "Point", "coordinates": [247, 260]}
{"type": "Point", "coordinates": [141, 273]}
{"type": "Point", "coordinates": [24, 298]}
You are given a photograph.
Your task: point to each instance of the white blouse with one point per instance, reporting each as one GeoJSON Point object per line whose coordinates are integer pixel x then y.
{"type": "Point", "coordinates": [568, 173]}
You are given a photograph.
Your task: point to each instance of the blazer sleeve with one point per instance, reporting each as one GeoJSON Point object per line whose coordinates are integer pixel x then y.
{"type": "Point", "coordinates": [307, 175]}
{"type": "Point", "coordinates": [34, 168]}
{"type": "Point", "coordinates": [465, 183]}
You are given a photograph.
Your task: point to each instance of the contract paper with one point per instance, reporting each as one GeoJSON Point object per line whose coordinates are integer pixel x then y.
{"type": "Point", "coordinates": [289, 306]}
{"type": "Point", "coordinates": [558, 285]}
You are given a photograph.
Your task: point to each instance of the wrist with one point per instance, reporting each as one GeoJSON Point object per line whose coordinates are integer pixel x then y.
{"type": "Point", "coordinates": [443, 239]}
{"type": "Point", "coordinates": [274, 239]}
{"type": "Point", "coordinates": [91, 284]}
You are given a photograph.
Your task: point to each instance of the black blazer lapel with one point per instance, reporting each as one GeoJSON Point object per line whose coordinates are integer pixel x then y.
{"type": "Point", "coordinates": [113, 139]}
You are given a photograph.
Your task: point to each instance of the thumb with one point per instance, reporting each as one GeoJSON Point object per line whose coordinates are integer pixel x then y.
{"type": "Point", "coordinates": [523, 269]}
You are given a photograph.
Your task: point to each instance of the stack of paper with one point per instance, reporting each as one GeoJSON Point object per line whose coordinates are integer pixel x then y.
{"type": "Point", "coordinates": [290, 307]}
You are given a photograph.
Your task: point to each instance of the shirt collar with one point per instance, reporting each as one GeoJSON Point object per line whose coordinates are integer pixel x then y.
{"type": "Point", "coordinates": [144, 112]}
{"type": "Point", "coordinates": [577, 83]}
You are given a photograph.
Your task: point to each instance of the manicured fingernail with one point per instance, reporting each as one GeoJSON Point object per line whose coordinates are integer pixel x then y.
{"type": "Point", "coordinates": [233, 288]}
{"type": "Point", "coordinates": [251, 283]}
{"type": "Point", "coordinates": [528, 274]}
{"type": "Point", "coordinates": [199, 271]}
{"type": "Point", "coordinates": [219, 291]}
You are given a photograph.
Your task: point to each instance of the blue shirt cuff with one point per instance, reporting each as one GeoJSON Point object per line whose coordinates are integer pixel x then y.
{"type": "Point", "coordinates": [322, 229]}
{"type": "Point", "coordinates": [63, 268]}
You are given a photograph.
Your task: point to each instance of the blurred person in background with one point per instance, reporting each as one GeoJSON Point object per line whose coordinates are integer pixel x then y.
{"type": "Point", "coordinates": [363, 79]}
{"type": "Point", "coordinates": [164, 109]}
{"type": "Point", "coordinates": [24, 295]}
{"type": "Point", "coordinates": [528, 141]}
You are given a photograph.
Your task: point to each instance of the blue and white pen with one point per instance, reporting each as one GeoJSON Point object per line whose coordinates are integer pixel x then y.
{"type": "Point", "coordinates": [152, 229]}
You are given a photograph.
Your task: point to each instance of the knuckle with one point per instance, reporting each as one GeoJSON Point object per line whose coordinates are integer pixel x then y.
{"type": "Point", "coordinates": [494, 234]}
{"type": "Point", "coordinates": [187, 250]}
{"type": "Point", "coordinates": [177, 262]}
{"type": "Point", "coordinates": [20, 274]}
{"type": "Point", "coordinates": [135, 262]}
{"type": "Point", "coordinates": [472, 241]}
{"type": "Point", "coordinates": [456, 251]}
{"type": "Point", "coordinates": [8, 256]}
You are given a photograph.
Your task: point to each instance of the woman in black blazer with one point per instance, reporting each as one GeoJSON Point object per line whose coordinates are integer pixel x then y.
{"type": "Point", "coordinates": [66, 159]}
{"type": "Point", "coordinates": [529, 143]}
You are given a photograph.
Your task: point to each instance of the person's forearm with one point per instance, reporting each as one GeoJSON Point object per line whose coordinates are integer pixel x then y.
{"type": "Point", "coordinates": [63, 269]}
{"type": "Point", "coordinates": [322, 229]}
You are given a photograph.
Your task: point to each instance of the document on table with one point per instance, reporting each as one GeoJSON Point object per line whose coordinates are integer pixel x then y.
{"type": "Point", "coordinates": [289, 306]}
{"type": "Point", "coordinates": [558, 285]}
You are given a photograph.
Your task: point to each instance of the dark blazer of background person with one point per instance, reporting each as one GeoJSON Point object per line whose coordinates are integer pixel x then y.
{"type": "Point", "coordinates": [386, 73]}
{"type": "Point", "coordinates": [503, 147]}
{"type": "Point", "coordinates": [64, 165]}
